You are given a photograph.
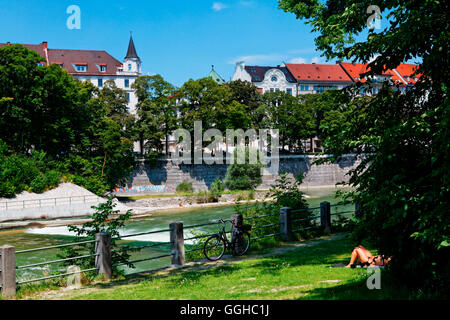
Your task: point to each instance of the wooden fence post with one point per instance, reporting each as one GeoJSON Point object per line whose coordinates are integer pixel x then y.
{"type": "Point", "coordinates": [103, 251]}
{"type": "Point", "coordinates": [325, 216]}
{"type": "Point", "coordinates": [8, 271]}
{"type": "Point", "coordinates": [286, 224]}
{"type": "Point", "coordinates": [177, 243]}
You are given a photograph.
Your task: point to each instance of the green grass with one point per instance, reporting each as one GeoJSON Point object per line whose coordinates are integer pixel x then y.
{"type": "Point", "coordinates": [301, 273]}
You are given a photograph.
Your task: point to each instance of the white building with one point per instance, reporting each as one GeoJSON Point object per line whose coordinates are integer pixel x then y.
{"type": "Point", "coordinates": [293, 79]}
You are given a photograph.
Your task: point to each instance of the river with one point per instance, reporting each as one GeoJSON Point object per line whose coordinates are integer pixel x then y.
{"type": "Point", "coordinates": [48, 236]}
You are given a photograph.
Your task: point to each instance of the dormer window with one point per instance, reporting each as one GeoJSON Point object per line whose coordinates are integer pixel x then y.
{"type": "Point", "coordinates": [129, 67]}
{"type": "Point", "coordinates": [59, 64]}
{"type": "Point", "coordinates": [80, 67]}
{"type": "Point", "coordinates": [101, 67]}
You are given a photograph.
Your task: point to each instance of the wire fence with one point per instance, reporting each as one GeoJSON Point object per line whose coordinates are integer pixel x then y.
{"type": "Point", "coordinates": [264, 226]}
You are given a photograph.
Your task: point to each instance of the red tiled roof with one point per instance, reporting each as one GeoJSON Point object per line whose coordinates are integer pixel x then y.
{"type": "Point", "coordinates": [407, 71]}
{"type": "Point", "coordinates": [355, 70]}
{"type": "Point", "coordinates": [90, 57]}
{"type": "Point", "coordinates": [318, 72]}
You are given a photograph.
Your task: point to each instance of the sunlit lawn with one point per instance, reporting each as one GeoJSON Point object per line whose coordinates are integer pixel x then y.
{"type": "Point", "coordinates": [302, 273]}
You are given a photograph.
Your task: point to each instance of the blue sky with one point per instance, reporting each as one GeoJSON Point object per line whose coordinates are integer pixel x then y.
{"type": "Point", "coordinates": [179, 39]}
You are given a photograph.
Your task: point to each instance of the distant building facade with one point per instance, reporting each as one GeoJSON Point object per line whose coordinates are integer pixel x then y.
{"type": "Point", "coordinates": [297, 79]}
{"type": "Point", "coordinates": [95, 66]}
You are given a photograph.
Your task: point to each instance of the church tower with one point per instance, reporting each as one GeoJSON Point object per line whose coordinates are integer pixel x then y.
{"type": "Point", "coordinates": [132, 62]}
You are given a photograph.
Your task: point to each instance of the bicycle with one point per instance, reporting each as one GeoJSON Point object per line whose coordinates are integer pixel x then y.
{"type": "Point", "coordinates": [215, 246]}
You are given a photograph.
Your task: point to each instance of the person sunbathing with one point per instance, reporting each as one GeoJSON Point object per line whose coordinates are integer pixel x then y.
{"type": "Point", "coordinates": [363, 257]}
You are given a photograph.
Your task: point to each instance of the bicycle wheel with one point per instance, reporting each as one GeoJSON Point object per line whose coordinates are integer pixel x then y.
{"type": "Point", "coordinates": [214, 248]}
{"type": "Point", "coordinates": [241, 244]}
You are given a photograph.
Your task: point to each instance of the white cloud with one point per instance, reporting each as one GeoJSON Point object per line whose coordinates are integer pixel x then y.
{"type": "Point", "coordinates": [316, 60]}
{"type": "Point", "coordinates": [274, 58]}
{"type": "Point", "coordinates": [218, 6]}
{"type": "Point", "coordinates": [298, 60]}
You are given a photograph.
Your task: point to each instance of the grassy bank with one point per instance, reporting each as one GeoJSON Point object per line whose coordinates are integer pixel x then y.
{"type": "Point", "coordinates": [293, 271]}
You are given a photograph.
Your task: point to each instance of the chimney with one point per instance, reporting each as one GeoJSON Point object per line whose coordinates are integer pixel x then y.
{"type": "Point", "coordinates": [44, 45]}
{"type": "Point", "coordinates": [8, 43]}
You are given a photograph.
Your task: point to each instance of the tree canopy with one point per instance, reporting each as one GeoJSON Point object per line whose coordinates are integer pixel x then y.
{"type": "Point", "coordinates": [402, 138]}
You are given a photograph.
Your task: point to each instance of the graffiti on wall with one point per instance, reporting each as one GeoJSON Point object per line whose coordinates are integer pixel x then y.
{"type": "Point", "coordinates": [149, 188]}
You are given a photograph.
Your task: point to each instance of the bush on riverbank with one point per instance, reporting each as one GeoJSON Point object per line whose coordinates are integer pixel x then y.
{"type": "Point", "coordinates": [245, 172]}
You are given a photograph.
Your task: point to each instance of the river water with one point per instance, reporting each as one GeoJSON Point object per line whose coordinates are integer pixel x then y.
{"type": "Point", "coordinates": [48, 236]}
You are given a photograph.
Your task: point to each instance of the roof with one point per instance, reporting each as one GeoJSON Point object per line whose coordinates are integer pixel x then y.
{"type": "Point", "coordinates": [318, 72]}
{"type": "Point", "coordinates": [400, 74]}
{"type": "Point", "coordinates": [92, 58]}
{"type": "Point", "coordinates": [406, 71]}
{"type": "Point", "coordinates": [131, 52]}
{"type": "Point", "coordinates": [257, 73]}
{"type": "Point", "coordinates": [215, 76]}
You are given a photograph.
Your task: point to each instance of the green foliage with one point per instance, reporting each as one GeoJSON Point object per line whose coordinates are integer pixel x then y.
{"type": "Point", "coordinates": [216, 189]}
{"type": "Point", "coordinates": [285, 193]}
{"type": "Point", "coordinates": [242, 174]}
{"type": "Point", "coordinates": [103, 220]}
{"type": "Point", "coordinates": [402, 139]}
{"type": "Point", "coordinates": [31, 173]}
{"type": "Point", "coordinates": [185, 187]}
{"type": "Point", "coordinates": [156, 110]}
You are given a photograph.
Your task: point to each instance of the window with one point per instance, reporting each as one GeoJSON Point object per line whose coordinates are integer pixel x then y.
{"type": "Point", "coordinates": [100, 82]}
{"type": "Point", "coordinates": [304, 87]}
{"type": "Point", "coordinates": [252, 70]}
{"type": "Point", "coordinates": [289, 91]}
{"type": "Point", "coordinates": [127, 83]}
{"type": "Point", "coordinates": [277, 89]}
{"type": "Point", "coordinates": [272, 89]}
{"type": "Point", "coordinates": [128, 97]}
{"type": "Point", "coordinates": [129, 67]}
{"type": "Point", "coordinates": [102, 68]}
{"type": "Point", "coordinates": [274, 79]}
{"type": "Point", "coordinates": [257, 78]}
{"type": "Point", "coordinates": [81, 67]}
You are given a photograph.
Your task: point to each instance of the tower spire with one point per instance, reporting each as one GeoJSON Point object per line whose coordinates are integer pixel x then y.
{"type": "Point", "coordinates": [131, 53]}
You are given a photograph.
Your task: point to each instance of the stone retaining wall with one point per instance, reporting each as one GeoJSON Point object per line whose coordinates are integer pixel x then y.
{"type": "Point", "coordinates": [166, 173]}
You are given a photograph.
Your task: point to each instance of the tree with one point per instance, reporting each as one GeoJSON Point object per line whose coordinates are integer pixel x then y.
{"type": "Point", "coordinates": [156, 110]}
{"type": "Point", "coordinates": [402, 139]}
{"type": "Point", "coordinates": [293, 120]}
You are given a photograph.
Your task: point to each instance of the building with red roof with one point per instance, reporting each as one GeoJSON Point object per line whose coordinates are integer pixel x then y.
{"type": "Point", "coordinates": [96, 66]}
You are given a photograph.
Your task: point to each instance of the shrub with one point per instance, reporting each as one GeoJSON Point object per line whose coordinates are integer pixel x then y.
{"type": "Point", "coordinates": [243, 176]}
{"type": "Point", "coordinates": [216, 189]}
{"type": "Point", "coordinates": [185, 187]}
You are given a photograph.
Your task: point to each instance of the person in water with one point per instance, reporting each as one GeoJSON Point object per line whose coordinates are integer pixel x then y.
{"type": "Point", "coordinates": [363, 257]}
